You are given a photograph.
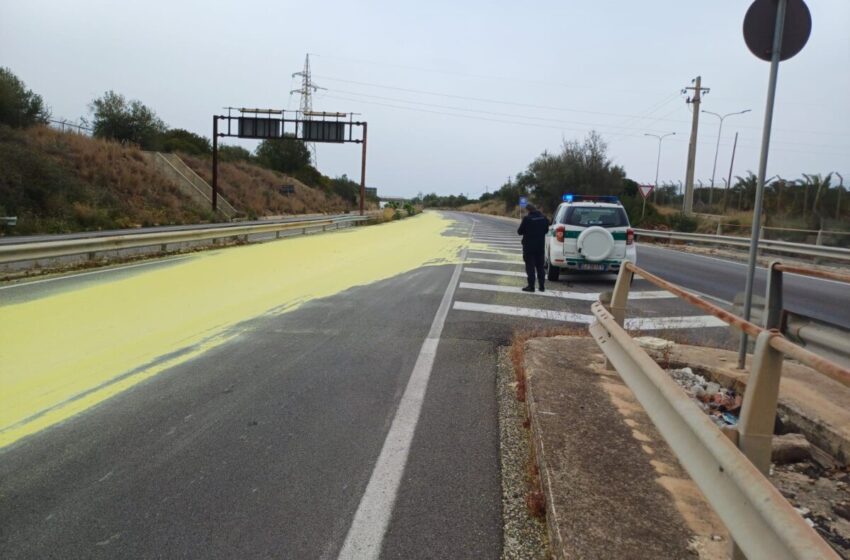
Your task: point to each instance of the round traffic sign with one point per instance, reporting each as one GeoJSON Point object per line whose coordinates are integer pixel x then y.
{"type": "Point", "coordinates": [760, 24]}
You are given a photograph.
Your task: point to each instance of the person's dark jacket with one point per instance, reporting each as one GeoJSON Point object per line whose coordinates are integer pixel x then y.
{"type": "Point", "coordinates": [533, 230]}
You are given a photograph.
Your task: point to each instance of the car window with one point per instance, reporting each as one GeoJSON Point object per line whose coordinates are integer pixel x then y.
{"type": "Point", "coordinates": [587, 216]}
{"type": "Point", "coordinates": [559, 216]}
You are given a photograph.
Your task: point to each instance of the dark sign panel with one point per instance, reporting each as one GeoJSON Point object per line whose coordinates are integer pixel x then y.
{"type": "Point", "coordinates": [323, 131]}
{"type": "Point", "coordinates": [250, 127]}
{"type": "Point", "coordinates": [372, 191]}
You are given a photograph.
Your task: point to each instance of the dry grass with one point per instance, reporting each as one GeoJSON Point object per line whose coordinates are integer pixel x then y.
{"type": "Point", "coordinates": [490, 207]}
{"type": "Point", "coordinates": [254, 190]}
{"type": "Point", "coordinates": [56, 182]}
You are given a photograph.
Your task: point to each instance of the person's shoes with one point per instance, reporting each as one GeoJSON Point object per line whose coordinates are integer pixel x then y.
{"type": "Point", "coordinates": [541, 288]}
{"type": "Point", "coordinates": [528, 289]}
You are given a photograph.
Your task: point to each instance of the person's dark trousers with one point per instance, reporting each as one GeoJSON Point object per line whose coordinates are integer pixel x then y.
{"type": "Point", "coordinates": [534, 263]}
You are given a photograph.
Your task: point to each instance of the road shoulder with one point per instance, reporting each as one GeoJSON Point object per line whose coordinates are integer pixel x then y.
{"type": "Point", "coordinates": [613, 487]}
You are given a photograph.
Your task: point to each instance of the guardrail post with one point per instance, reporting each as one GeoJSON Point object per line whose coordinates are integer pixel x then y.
{"type": "Point", "coordinates": [758, 412]}
{"type": "Point", "coordinates": [719, 229]}
{"type": "Point", "coordinates": [620, 297]}
{"type": "Point", "coordinates": [819, 242]}
{"type": "Point", "coordinates": [773, 297]}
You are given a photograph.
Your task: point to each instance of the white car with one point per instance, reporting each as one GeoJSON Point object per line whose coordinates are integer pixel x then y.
{"type": "Point", "coordinates": [589, 234]}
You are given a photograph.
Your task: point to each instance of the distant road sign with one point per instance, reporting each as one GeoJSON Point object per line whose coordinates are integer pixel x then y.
{"type": "Point", "coordinates": [645, 190]}
{"type": "Point", "coordinates": [523, 201]}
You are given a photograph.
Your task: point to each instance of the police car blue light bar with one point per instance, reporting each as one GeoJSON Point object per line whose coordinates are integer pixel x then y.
{"type": "Point", "coordinates": [590, 198]}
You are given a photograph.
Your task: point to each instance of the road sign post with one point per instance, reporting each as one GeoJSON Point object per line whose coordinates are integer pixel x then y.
{"type": "Point", "coordinates": [774, 30]}
{"type": "Point", "coordinates": [645, 191]}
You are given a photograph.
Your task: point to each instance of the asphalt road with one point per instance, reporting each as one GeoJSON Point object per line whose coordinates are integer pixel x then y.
{"type": "Point", "coordinates": [825, 300]}
{"type": "Point", "coordinates": [263, 447]}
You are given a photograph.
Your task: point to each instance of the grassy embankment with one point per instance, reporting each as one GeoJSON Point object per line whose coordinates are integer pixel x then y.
{"type": "Point", "coordinates": [57, 182]}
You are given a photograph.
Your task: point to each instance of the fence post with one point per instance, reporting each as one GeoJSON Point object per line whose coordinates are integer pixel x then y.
{"type": "Point", "coordinates": [719, 229]}
{"type": "Point", "coordinates": [773, 297]}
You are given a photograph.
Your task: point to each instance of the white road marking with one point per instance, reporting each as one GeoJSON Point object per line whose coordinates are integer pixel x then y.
{"type": "Point", "coordinates": [366, 534]}
{"type": "Point", "coordinates": [635, 323]}
{"type": "Point", "coordinates": [493, 271]}
{"type": "Point", "coordinates": [489, 253]}
{"type": "Point", "coordinates": [500, 261]}
{"type": "Point", "coordinates": [581, 296]}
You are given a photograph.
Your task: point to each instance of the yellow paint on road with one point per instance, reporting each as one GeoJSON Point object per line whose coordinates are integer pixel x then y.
{"type": "Point", "coordinates": [66, 352]}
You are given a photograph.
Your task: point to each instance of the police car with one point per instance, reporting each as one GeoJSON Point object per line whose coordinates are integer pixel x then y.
{"type": "Point", "coordinates": [589, 234]}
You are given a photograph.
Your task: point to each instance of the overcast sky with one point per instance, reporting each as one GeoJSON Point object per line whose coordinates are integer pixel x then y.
{"type": "Point", "coordinates": [458, 95]}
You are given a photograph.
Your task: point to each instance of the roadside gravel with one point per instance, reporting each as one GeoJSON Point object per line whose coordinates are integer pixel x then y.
{"type": "Point", "coordinates": [524, 536]}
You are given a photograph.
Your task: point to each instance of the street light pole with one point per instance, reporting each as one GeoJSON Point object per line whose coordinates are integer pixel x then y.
{"type": "Point", "coordinates": [717, 148]}
{"type": "Point", "coordinates": [657, 163]}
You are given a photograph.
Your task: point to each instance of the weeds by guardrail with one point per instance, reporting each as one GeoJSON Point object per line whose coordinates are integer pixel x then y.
{"type": "Point", "coordinates": [729, 468]}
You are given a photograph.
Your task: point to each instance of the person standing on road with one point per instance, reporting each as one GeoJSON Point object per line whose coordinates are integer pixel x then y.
{"type": "Point", "coordinates": [533, 229]}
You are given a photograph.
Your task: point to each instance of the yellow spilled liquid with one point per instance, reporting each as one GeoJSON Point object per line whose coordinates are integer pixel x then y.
{"type": "Point", "coordinates": [64, 353]}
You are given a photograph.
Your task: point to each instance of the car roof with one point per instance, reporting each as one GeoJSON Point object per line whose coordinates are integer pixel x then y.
{"type": "Point", "coordinates": [593, 204]}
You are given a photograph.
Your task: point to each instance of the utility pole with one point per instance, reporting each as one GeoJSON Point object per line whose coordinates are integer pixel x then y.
{"type": "Point", "coordinates": [688, 203]}
{"type": "Point", "coordinates": [306, 91]}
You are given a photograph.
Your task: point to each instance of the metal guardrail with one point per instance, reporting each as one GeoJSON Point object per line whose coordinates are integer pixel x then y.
{"type": "Point", "coordinates": [91, 245]}
{"type": "Point", "coordinates": [826, 340]}
{"type": "Point", "coordinates": [729, 468]}
{"type": "Point", "coordinates": [789, 247]}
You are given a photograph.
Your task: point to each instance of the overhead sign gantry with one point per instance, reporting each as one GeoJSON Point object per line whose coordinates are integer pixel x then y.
{"type": "Point", "coordinates": [276, 124]}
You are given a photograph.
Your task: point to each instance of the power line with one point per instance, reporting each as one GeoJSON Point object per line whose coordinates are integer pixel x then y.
{"type": "Point", "coordinates": [482, 99]}
{"type": "Point", "coordinates": [547, 108]}
{"type": "Point", "coordinates": [454, 108]}
{"type": "Point", "coordinates": [524, 79]}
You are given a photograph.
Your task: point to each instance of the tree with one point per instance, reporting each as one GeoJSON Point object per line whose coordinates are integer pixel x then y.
{"type": "Point", "coordinates": [115, 118]}
{"type": "Point", "coordinates": [580, 168]}
{"type": "Point", "coordinates": [233, 153]}
{"type": "Point", "coordinates": [19, 106]}
{"type": "Point", "coordinates": [179, 140]}
{"type": "Point", "coordinates": [286, 155]}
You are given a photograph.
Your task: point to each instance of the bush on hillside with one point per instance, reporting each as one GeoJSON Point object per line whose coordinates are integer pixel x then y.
{"type": "Point", "coordinates": [19, 106]}
{"type": "Point", "coordinates": [233, 153]}
{"type": "Point", "coordinates": [286, 155]}
{"type": "Point", "coordinates": [179, 140]}
{"type": "Point", "coordinates": [116, 118]}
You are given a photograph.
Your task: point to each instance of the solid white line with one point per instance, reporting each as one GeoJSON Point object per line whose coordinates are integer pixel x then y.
{"type": "Point", "coordinates": [636, 323]}
{"type": "Point", "coordinates": [581, 296]}
{"type": "Point", "coordinates": [366, 534]}
{"type": "Point", "coordinates": [91, 272]}
{"type": "Point", "coordinates": [492, 271]}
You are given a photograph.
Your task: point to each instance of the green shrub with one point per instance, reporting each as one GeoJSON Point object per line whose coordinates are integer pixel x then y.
{"type": "Point", "coordinates": [683, 223]}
